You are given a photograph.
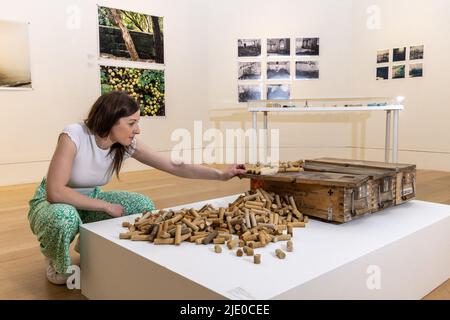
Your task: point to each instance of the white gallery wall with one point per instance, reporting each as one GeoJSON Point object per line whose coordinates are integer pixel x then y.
{"type": "Point", "coordinates": [66, 79]}
{"type": "Point", "coordinates": [200, 39]}
{"type": "Point", "coordinates": [424, 132]}
{"type": "Point", "coordinates": [348, 47]}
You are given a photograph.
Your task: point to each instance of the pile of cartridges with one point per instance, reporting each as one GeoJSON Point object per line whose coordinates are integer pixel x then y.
{"type": "Point", "coordinates": [283, 166]}
{"type": "Point", "coordinates": [252, 221]}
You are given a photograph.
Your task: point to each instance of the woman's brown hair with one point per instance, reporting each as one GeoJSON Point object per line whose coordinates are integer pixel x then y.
{"type": "Point", "coordinates": [104, 114]}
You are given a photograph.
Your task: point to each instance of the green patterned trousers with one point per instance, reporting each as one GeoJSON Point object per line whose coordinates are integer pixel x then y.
{"type": "Point", "coordinates": [57, 224]}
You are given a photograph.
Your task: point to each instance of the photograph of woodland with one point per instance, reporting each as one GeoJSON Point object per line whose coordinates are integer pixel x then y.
{"type": "Point", "coordinates": [127, 35]}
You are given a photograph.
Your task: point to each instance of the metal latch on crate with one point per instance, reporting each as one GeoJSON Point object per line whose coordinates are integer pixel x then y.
{"type": "Point", "coordinates": [330, 214]}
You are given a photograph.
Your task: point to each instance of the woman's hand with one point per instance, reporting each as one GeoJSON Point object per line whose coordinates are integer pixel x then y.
{"type": "Point", "coordinates": [114, 210]}
{"type": "Point", "coordinates": [234, 170]}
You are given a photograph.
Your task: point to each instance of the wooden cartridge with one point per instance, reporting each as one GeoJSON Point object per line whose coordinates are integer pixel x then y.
{"type": "Point", "coordinates": [210, 237]}
{"type": "Point", "coordinates": [199, 240]}
{"type": "Point", "coordinates": [126, 224]}
{"type": "Point", "coordinates": [125, 235]}
{"type": "Point", "coordinates": [198, 236]}
{"type": "Point", "coordinates": [251, 197]}
{"type": "Point", "coordinates": [239, 253]}
{"type": "Point", "coordinates": [255, 244]}
{"type": "Point", "coordinates": [164, 241]}
{"type": "Point", "coordinates": [219, 240]}
{"type": "Point", "coordinates": [262, 238]}
{"type": "Point", "coordinates": [140, 237]}
{"type": "Point", "coordinates": [221, 213]}
{"type": "Point", "coordinates": [178, 234]}
{"type": "Point", "coordinates": [296, 224]}
{"type": "Point", "coordinates": [248, 251]}
{"type": "Point", "coordinates": [185, 236]}
{"type": "Point", "coordinates": [282, 237]}
{"type": "Point", "coordinates": [280, 253]}
{"type": "Point", "coordinates": [253, 219]}
{"type": "Point", "coordinates": [190, 224]}
{"type": "Point", "coordinates": [232, 243]}
{"type": "Point", "coordinates": [257, 259]}
{"type": "Point", "coordinates": [290, 246]}
{"type": "Point", "coordinates": [276, 219]}
{"type": "Point", "coordinates": [217, 248]}
{"type": "Point", "coordinates": [177, 218]}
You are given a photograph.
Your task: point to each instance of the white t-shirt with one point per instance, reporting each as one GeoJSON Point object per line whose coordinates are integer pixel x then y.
{"type": "Point", "coordinates": [91, 166]}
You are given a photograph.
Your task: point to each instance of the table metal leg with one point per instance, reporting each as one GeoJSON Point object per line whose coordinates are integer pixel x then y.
{"type": "Point", "coordinates": [266, 138]}
{"type": "Point", "coordinates": [255, 138]}
{"type": "Point", "coordinates": [395, 143]}
{"type": "Point", "coordinates": [387, 142]}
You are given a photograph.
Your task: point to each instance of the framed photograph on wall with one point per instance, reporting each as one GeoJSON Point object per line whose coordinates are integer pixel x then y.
{"type": "Point", "coordinates": [307, 46]}
{"type": "Point", "coordinates": [279, 47]}
{"type": "Point", "coordinates": [127, 35]}
{"type": "Point", "coordinates": [249, 70]}
{"type": "Point", "coordinates": [278, 91]}
{"type": "Point", "coordinates": [382, 73]}
{"type": "Point", "coordinates": [145, 85]}
{"type": "Point", "coordinates": [249, 47]}
{"type": "Point", "coordinates": [399, 54]}
{"type": "Point", "coordinates": [306, 70]}
{"type": "Point", "coordinates": [398, 72]}
{"type": "Point", "coordinates": [383, 56]}
{"type": "Point", "coordinates": [278, 70]}
{"type": "Point", "coordinates": [248, 92]}
{"type": "Point", "coordinates": [416, 52]}
{"type": "Point", "coordinates": [416, 70]}
{"type": "Point", "coordinates": [15, 72]}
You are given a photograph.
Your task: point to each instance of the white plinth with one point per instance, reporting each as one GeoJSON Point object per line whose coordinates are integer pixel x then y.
{"type": "Point", "coordinates": [400, 253]}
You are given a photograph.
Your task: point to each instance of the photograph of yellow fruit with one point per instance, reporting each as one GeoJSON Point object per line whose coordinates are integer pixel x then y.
{"type": "Point", "coordinates": [144, 85]}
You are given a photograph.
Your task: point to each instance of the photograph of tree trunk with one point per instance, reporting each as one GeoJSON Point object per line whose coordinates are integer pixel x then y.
{"type": "Point", "coordinates": [127, 35]}
{"type": "Point", "coordinates": [145, 85]}
{"type": "Point", "coordinates": [15, 71]}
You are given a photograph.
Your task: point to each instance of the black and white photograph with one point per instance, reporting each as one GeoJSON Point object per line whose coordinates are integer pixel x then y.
{"type": "Point", "coordinates": [306, 70]}
{"type": "Point", "coordinates": [382, 73]}
{"type": "Point", "coordinates": [307, 46]}
{"type": "Point", "coordinates": [383, 56]}
{"type": "Point", "coordinates": [398, 72]}
{"type": "Point", "coordinates": [416, 70]}
{"type": "Point", "coordinates": [249, 70]}
{"type": "Point", "coordinates": [15, 71]}
{"type": "Point", "coordinates": [399, 54]}
{"type": "Point", "coordinates": [248, 92]}
{"type": "Point", "coordinates": [278, 91]}
{"type": "Point", "coordinates": [416, 52]}
{"type": "Point", "coordinates": [278, 70]}
{"type": "Point", "coordinates": [279, 47]}
{"type": "Point", "coordinates": [249, 47]}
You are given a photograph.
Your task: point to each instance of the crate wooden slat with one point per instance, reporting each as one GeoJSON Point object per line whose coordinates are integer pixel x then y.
{"type": "Point", "coordinates": [381, 185]}
{"type": "Point", "coordinates": [405, 174]}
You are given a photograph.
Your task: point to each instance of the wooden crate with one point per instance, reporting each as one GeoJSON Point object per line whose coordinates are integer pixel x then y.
{"type": "Point", "coordinates": [328, 196]}
{"type": "Point", "coordinates": [405, 175]}
{"type": "Point", "coordinates": [381, 184]}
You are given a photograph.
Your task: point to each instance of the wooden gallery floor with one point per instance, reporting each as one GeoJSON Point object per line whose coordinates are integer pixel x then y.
{"type": "Point", "coordinates": [22, 266]}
